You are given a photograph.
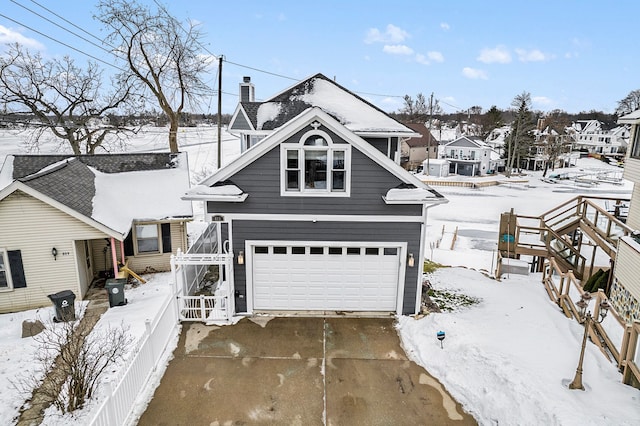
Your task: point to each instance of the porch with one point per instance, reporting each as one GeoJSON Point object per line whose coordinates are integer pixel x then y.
{"type": "Point", "coordinates": [204, 278]}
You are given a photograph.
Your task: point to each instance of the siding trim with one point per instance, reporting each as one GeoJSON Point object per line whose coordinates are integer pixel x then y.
{"type": "Point", "coordinates": [315, 218]}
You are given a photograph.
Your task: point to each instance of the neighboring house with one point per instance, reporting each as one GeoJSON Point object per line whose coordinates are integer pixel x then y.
{"type": "Point", "coordinates": [591, 136]}
{"type": "Point", "coordinates": [470, 157]}
{"type": "Point", "coordinates": [549, 144]}
{"type": "Point", "coordinates": [318, 215]}
{"type": "Point", "coordinates": [65, 220]}
{"type": "Point", "coordinates": [415, 150]}
{"type": "Point", "coordinates": [625, 289]}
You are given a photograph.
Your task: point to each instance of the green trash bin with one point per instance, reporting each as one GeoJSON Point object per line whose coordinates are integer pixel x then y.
{"type": "Point", "coordinates": [115, 289]}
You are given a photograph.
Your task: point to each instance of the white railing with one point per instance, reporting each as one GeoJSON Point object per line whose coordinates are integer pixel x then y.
{"type": "Point", "coordinates": [122, 392]}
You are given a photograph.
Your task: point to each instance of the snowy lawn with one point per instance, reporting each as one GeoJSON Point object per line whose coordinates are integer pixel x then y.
{"type": "Point", "coordinates": [509, 358]}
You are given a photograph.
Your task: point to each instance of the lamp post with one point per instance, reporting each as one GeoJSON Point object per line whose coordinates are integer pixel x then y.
{"type": "Point", "coordinates": [586, 319]}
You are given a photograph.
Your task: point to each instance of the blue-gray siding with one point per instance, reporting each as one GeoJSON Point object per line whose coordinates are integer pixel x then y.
{"type": "Point", "coordinates": [261, 180]}
{"type": "Point", "coordinates": [382, 145]}
{"type": "Point", "coordinates": [241, 123]}
{"type": "Point", "coordinates": [328, 231]}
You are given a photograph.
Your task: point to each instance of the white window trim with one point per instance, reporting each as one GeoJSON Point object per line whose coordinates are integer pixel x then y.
{"type": "Point", "coordinates": [330, 148]}
{"type": "Point", "coordinates": [7, 270]}
{"type": "Point", "coordinates": [135, 241]}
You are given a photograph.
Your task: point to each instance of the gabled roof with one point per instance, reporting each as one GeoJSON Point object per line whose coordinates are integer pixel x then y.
{"type": "Point", "coordinates": [425, 138]}
{"type": "Point", "coordinates": [295, 125]}
{"type": "Point", "coordinates": [467, 142]}
{"type": "Point", "coordinates": [105, 191]}
{"type": "Point", "coordinates": [355, 113]}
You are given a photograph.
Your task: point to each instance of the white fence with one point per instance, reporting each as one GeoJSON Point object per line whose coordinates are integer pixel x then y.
{"type": "Point", "coordinates": [122, 392]}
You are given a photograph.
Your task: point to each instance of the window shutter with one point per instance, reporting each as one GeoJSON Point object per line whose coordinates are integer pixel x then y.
{"type": "Point", "coordinates": [17, 271]}
{"type": "Point", "coordinates": [128, 244]}
{"type": "Point", "coordinates": [166, 237]}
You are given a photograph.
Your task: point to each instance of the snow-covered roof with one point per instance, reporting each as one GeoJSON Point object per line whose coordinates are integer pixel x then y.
{"type": "Point", "coordinates": [409, 195]}
{"type": "Point", "coordinates": [113, 190]}
{"type": "Point", "coordinates": [631, 118]}
{"type": "Point", "coordinates": [355, 113]}
{"type": "Point", "coordinates": [225, 192]}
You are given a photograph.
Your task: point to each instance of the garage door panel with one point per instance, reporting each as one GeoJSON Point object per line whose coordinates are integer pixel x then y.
{"type": "Point", "coordinates": [342, 278]}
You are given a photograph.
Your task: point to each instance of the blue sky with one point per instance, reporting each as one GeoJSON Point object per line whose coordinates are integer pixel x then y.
{"type": "Point", "coordinates": [571, 55]}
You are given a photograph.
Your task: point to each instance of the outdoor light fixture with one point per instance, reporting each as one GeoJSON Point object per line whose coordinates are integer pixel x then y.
{"type": "Point", "coordinates": [54, 253]}
{"type": "Point", "coordinates": [411, 261]}
{"type": "Point", "coordinates": [586, 319]}
{"type": "Point", "coordinates": [241, 258]}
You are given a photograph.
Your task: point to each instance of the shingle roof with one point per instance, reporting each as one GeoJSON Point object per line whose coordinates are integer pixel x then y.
{"type": "Point", "coordinates": [71, 180]}
{"type": "Point", "coordinates": [426, 138]}
{"type": "Point", "coordinates": [298, 98]}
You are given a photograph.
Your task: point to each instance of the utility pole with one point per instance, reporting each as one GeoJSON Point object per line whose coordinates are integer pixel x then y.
{"type": "Point", "coordinates": [430, 136]}
{"type": "Point", "coordinates": [220, 58]}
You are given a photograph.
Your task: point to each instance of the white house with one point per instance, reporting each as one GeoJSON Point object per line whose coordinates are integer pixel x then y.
{"type": "Point", "coordinates": [470, 157]}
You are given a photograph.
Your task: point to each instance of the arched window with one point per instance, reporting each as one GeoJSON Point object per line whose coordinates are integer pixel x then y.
{"type": "Point", "coordinates": [315, 166]}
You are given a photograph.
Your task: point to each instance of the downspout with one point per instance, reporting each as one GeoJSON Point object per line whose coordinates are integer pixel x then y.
{"type": "Point", "coordinates": [114, 257]}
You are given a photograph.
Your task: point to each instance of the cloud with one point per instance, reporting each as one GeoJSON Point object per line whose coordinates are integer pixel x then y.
{"type": "Point", "coordinates": [392, 34]}
{"type": "Point", "coordinates": [534, 55]}
{"type": "Point", "coordinates": [499, 55]}
{"type": "Point", "coordinates": [7, 35]}
{"type": "Point", "coordinates": [541, 100]}
{"type": "Point", "coordinates": [397, 49]}
{"type": "Point", "coordinates": [445, 26]}
{"type": "Point", "coordinates": [435, 56]}
{"type": "Point", "coordinates": [474, 74]}
{"type": "Point", "coordinates": [421, 59]}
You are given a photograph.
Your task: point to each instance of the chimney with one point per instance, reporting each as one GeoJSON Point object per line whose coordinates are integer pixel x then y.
{"type": "Point", "coordinates": [247, 90]}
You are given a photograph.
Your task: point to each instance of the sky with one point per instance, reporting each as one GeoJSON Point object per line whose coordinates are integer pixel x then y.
{"type": "Point", "coordinates": [570, 55]}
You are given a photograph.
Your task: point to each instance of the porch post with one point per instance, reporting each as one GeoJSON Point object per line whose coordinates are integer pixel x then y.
{"type": "Point", "coordinates": [122, 252]}
{"type": "Point", "coordinates": [114, 257]}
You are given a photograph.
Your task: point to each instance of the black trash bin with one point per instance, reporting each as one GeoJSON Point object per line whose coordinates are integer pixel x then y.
{"type": "Point", "coordinates": [64, 301]}
{"type": "Point", "coordinates": [115, 289]}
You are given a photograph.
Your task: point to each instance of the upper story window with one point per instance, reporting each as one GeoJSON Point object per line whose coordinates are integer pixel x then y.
{"type": "Point", "coordinates": [315, 166]}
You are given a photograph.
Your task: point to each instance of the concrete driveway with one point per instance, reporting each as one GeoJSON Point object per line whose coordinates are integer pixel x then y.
{"type": "Point", "coordinates": [298, 371]}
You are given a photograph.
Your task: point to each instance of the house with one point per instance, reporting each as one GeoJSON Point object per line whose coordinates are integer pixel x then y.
{"type": "Point", "coordinates": [318, 214]}
{"type": "Point", "coordinates": [65, 220]}
{"type": "Point", "coordinates": [470, 157]}
{"type": "Point", "coordinates": [549, 147]}
{"type": "Point", "coordinates": [415, 150]}
{"type": "Point", "coordinates": [590, 136]}
{"type": "Point", "coordinates": [625, 288]}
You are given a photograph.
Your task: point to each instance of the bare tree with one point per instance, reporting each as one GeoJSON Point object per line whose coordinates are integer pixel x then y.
{"type": "Point", "coordinates": [630, 103]}
{"type": "Point", "coordinates": [160, 53]}
{"type": "Point", "coordinates": [63, 99]}
{"type": "Point", "coordinates": [76, 357]}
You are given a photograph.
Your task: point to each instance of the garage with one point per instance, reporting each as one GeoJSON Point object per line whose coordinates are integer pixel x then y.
{"type": "Point", "coordinates": [326, 276]}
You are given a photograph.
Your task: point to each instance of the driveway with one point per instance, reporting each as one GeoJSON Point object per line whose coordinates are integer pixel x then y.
{"type": "Point", "coordinates": [298, 371]}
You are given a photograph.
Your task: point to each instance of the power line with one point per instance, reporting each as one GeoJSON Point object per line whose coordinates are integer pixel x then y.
{"type": "Point", "coordinates": [60, 42]}
{"type": "Point", "coordinates": [61, 27]}
{"type": "Point", "coordinates": [69, 22]}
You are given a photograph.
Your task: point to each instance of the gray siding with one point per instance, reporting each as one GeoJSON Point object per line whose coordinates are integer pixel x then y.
{"type": "Point", "coordinates": [261, 180]}
{"type": "Point", "coordinates": [241, 123]}
{"type": "Point", "coordinates": [328, 231]}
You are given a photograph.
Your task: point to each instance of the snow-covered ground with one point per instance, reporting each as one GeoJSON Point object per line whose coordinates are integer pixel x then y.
{"type": "Point", "coordinates": [507, 359]}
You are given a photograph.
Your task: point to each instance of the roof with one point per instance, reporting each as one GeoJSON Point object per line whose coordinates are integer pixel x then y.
{"type": "Point", "coordinates": [465, 141]}
{"type": "Point", "coordinates": [292, 127]}
{"type": "Point", "coordinates": [425, 139]}
{"type": "Point", "coordinates": [355, 113]}
{"type": "Point", "coordinates": [631, 118]}
{"type": "Point", "coordinates": [111, 190]}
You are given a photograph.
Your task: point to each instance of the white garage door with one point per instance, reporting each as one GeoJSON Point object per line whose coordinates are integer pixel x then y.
{"type": "Point", "coordinates": [325, 277]}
